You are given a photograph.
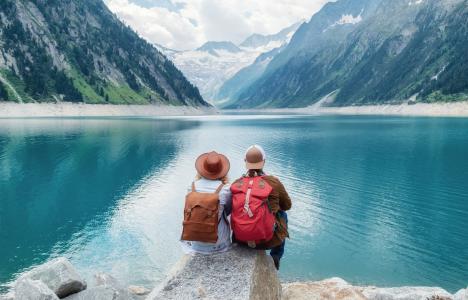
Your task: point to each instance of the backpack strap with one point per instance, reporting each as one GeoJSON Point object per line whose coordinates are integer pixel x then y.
{"type": "Point", "coordinates": [247, 199]}
{"type": "Point", "coordinates": [267, 203]}
{"type": "Point", "coordinates": [219, 188]}
{"type": "Point", "coordinates": [223, 217]}
{"type": "Point", "coordinates": [193, 186]}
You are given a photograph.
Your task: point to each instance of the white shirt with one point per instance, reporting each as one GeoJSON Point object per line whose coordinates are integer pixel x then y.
{"type": "Point", "coordinates": [204, 185]}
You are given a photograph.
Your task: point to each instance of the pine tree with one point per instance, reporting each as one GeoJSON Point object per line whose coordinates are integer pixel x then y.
{"type": "Point", "coordinates": [3, 92]}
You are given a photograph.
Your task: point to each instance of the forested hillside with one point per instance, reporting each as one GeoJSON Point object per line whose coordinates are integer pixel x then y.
{"type": "Point", "coordinates": [76, 50]}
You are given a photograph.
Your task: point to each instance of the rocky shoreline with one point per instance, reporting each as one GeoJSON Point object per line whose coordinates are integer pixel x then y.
{"type": "Point", "coordinates": [32, 110]}
{"type": "Point", "coordinates": [58, 279]}
{"type": "Point", "coordinates": [337, 288]}
{"type": "Point", "coordinates": [40, 110]}
{"type": "Point", "coordinates": [455, 109]}
{"type": "Point", "coordinates": [237, 274]}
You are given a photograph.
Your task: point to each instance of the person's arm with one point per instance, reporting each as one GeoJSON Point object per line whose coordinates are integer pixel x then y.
{"type": "Point", "coordinates": [279, 198]}
{"type": "Point", "coordinates": [227, 197]}
{"type": "Point", "coordinates": [284, 199]}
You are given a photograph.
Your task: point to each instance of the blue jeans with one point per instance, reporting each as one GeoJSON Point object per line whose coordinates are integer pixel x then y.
{"type": "Point", "coordinates": [278, 251]}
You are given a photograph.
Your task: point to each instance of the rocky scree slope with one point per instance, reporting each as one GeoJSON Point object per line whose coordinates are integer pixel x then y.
{"type": "Point", "coordinates": [74, 50]}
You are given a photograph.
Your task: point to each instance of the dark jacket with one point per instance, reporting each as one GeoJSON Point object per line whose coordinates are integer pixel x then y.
{"type": "Point", "coordinates": [278, 200]}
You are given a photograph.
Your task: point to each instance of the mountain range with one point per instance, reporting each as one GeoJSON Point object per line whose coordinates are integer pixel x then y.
{"type": "Point", "coordinates": [351, 52]}
{"type": "Point", "coordinates": [78, 51]}
{"type": "Point", "coordinates": [209, 66]}
{"type": "Point", "coordinates": [358, 52]}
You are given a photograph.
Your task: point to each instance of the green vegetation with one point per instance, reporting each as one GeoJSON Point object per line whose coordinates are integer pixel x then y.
{"type": "Point", "coordinates": [123, 95]}
{"type": "Point", "coordinates": [41, 78]}
{"type": "Point", "coordinates": [438, 96]}
{"type": "Point", "coordinates": [78, 51]}
{"type": "Point", "coordinates": [19, 86]}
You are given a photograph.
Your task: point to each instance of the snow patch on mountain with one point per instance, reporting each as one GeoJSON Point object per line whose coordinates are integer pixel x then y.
{"type": "Point", "coordinates": [208, 70]}
{"type": "Point", "coordinates": [415, 2]}
{"type": "Point", "coordinates": [346, 19]}
{"type": "Point", "coordinates": [212, 64]}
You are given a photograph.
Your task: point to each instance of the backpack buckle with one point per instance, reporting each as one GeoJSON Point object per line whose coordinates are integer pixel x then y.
{"type": "Point", "coordinates": [261, 184]}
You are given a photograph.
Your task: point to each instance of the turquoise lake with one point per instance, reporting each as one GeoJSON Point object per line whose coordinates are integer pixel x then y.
{"type": "Point", "coordinates": [376, 200]}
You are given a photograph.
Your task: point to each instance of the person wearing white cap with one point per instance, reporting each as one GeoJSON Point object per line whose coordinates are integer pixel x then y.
{"type": "Point", "coordinates": [260, 202]}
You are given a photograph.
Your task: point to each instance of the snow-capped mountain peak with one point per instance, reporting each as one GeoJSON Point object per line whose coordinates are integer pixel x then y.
{"type": "Point", "coordinates": [214, 47]}
{"type": "Point", "coordinates": [212, 64]}
{"type": "Point", "coordinates": [270, 41]}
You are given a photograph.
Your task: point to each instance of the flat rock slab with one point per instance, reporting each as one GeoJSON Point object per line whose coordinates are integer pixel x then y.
{"type": "Point", "coordinates": [334, 288]}
{"type": "Point", "coordinates": [407, 293]}
{"type": "Point", "coordinates": [58, 275]}
{"type": "Point", "coordinates": [337, 288]}
{"type": "Point", "coordinates": [240, 273]}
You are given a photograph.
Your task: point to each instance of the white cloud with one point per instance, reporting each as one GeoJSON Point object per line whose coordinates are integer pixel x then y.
{"type": "Point", "coordinates": [197, 21]}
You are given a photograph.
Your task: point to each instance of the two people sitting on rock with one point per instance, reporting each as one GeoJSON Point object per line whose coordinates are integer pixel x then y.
{"type": "Point", "coordinates": [256, 203]}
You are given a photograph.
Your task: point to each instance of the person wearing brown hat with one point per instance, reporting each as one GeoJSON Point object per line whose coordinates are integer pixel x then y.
{"type": "Point", "coordinates": [245, 189]}
{"type": "Point", "coordinates": [210, 189]}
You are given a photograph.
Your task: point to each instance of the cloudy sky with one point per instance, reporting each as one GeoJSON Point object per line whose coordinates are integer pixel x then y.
{"type": "Point", "coordinates": [187, 24]}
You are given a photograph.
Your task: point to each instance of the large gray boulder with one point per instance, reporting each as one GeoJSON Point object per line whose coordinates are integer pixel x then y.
{"type": "Point", "coordinates": [102, 293]}
{"type": "Point", "coordinates": [237, 274]}
{"type": "Point", "coordinates": [58, 275]}
{"type": "Point", "coordinates": [106, 287]}
{"type": "Point", "coordinates": [29, 289]}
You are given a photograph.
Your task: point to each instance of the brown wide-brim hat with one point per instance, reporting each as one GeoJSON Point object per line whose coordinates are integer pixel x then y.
{"type": "Point", "coordinates": [212, 165]}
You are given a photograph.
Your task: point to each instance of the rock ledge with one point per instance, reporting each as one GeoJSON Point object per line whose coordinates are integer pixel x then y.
{"type": "Point", "coordinates": [237, 274]}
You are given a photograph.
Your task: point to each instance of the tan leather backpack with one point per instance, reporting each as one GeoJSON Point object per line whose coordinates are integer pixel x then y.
{"type": "Point", "coordinates": [201, 216]}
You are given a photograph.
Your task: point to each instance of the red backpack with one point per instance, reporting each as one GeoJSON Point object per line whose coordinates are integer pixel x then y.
{"type": "Point", "coordinates": [251, 217]}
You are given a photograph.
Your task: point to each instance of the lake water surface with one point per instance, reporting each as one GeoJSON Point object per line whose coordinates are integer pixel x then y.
{"type": "Point", "coordinates": [376, 200]}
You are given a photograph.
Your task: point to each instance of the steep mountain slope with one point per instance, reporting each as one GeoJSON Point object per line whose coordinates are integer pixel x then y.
{"type": "Point", "coordinates": [236, 85]}
{"type": "Point", "coordinates": [429, 63]}
{"type": "Point", "coordinates": [265, 43]}
{"type": "Point", "coordinates": [74, 50]}
{"type": "Point", "coordinates": [370, 51]}
{"type": "Point", "coordinates": [209, 66]}
{"type": "Point", "coordinates": [325, 31]}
